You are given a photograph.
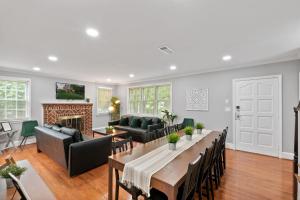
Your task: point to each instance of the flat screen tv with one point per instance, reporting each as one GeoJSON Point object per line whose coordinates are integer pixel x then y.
{"type": "Point", "coordinates": [69, 91]}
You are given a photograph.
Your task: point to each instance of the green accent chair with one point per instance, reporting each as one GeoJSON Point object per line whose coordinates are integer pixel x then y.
{"type": "Point", "coordinates": [186, 122]}
{"type": "Point", "coordinates": [28, 130]}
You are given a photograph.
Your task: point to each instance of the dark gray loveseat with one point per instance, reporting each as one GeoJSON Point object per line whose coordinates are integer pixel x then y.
{"type": "Point", "coordinates": [139, 133]}
{"type": "Point", "coordinates": [67, 147]}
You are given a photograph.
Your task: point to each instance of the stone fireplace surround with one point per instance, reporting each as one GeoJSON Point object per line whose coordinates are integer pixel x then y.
{"type": "Point", "coordinates": [53, 112]}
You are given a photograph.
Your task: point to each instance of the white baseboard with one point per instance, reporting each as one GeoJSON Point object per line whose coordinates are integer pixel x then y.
{"type": "Point", "coordinates": [286, 155]}
{"type": "Point", "coordinates": [229, 146]}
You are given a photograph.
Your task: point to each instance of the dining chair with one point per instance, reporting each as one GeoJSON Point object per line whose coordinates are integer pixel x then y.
{"type": "Point", "coordinates": [225, 131]}
{"type": "Point", "coordinates": [117, 147]}
{"type": "Point", "coordinates": [205, 176]}
{"type": "Point", "coordinates": [173, 128]}
{"type": "Point", "coordinates": [27, 130]}
{"type": "Point", "coordinates": [215, 163]}
{"type": "Point", "coordinates": [186, 122]}
{"type": "Point", "coordinates": [188, 188]}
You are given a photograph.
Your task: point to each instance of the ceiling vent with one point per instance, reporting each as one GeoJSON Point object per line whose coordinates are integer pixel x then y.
{"type": "Point", "coordinates": [166, 50]}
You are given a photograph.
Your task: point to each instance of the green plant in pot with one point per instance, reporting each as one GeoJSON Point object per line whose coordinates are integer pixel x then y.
{"type": "Point", "coordinates": [173, 138]}
{"type": "Point", "coordinates": [199, 127]}
{"type": "Point", "coordinates": [168, 117]}
{"type": "Point", "coordinates": [188, 132]}
{"type": "Point", "coordinates": [109, 129]}
{"type": "Point", "coordinates": [13, 169]}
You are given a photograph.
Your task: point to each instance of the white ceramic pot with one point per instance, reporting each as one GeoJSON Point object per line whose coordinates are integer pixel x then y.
{"type": "Point", "coordinates": [189, 137]}
{"type": "Point", "coordinates": [199, 131]}
{"type": "Point", "coordinates": [172, 146]}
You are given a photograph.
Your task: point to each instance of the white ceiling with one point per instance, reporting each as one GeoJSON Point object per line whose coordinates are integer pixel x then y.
{"type": "Point", "coordinates": [131, 31]}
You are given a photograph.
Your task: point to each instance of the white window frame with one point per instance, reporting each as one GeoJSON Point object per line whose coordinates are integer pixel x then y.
{"type": "Point", "coordinates": [101, 87]}
{"type": "Point", "coordinates": [28, 95]}
{"type": "Point", "coordinates": [149, 85]}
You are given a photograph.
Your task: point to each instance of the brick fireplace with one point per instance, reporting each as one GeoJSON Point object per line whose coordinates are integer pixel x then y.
{"type": "Point", "coordinates": [55, 112]}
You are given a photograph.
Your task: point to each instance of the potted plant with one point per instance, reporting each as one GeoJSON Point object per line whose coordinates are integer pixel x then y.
{"type": "Point", "coordinates": [15, 170]}
{"type": "Point", "coordinates": [188, 132]}
{"type": "Point", "coordinates": [173, 138]}
{"type": "Point", "coordinates": [168, 117]}
{"type": "Point", "coordinates": [199, 127]}
{"type": "Point", "coordinates": [109, 129]}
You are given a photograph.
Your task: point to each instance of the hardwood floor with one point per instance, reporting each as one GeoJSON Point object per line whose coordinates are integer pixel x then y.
{"type": "Point", "coordinates": [247, 176]}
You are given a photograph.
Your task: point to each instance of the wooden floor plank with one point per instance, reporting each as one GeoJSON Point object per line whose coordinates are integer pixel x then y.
{"type": "Point", "coordinates": [247, 177]}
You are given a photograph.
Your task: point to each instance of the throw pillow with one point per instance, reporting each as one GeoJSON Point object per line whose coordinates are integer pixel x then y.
{"type": "Point", "coordinates": [56, 128]}
{"type": "Point", "coordinates": [124, 121]}
{"type": "Point", "coordinates": [135, 122]}
{"type": "Point", "coordinates": [145, 123]}
{"type": "Point", "coordinates": [156, 121]}
{"type": "Point", "coordinates": [48, 125]}
{"type": "Point", "coordinates": [76, 135]}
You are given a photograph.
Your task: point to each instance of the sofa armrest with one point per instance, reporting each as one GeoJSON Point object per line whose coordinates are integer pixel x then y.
{"type": "Point", "coordinates": [153, 127]}
{"type": "Point", "coordinates": [112, 123]}
{"type": "Point", "coordinates": [87, 155]}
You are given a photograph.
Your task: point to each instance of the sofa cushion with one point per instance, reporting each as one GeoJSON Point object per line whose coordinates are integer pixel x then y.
{"type": "Point", "coordinates": [48, 125]}
{"type": "Point", "coordinates": [146, 122]}
{"type": "Point", "coordinates": [130, 129]}
{"type": "Point", "coordinates": [124, 121]}
{"type": "Point", "coordinates": [135, 122]}
{"type": "Point", "coordinates": [56, 128]}
{"type": "Point", "coordinates": [156, 120]}
{"type": "Point", "coordinates": [76, 135]}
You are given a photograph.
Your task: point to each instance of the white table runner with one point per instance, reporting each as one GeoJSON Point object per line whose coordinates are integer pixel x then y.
{"type": "Point", "coordinates": [138, 172]}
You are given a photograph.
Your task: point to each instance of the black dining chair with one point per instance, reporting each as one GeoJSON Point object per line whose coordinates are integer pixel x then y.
{"type": "Point", "coordinates": [215, 163]}
{"type": "Point", "coordinates": [205, 175]}
{"type": "Point", "coordinates": [223, 152]}
{"type": "Point", "coordinates": [117, 147]}
{"type": "Point", "coordinates": [188, 189]}
{"type": "Point", "coordinates": [158, 133]}
{"type": "Point", "coordinates": [173, 128]}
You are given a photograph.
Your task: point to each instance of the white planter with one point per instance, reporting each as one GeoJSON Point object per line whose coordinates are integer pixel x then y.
{"type": "Point", "coordinates": [199, 131]}
{"type": "Point", "coordinates": [189, 137]}
{"type": "Point", "coordinates": [172, 146]}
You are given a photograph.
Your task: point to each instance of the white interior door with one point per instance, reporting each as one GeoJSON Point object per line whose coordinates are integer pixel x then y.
{"type": "Point", "coordinates": [257, 110]}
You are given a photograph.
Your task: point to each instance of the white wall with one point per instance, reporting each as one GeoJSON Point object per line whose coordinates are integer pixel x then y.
{"type": "Point", "coordinates": [220, 88]}
{"type": "Point", "coordinates": [43, 90]}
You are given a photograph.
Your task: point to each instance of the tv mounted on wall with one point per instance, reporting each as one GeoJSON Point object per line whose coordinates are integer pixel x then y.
{"type": "Point", "coordinates": [69, 91]}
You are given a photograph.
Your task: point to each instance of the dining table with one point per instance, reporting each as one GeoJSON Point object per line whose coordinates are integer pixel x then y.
{"type": "Point", "coordinates": [170, 177]}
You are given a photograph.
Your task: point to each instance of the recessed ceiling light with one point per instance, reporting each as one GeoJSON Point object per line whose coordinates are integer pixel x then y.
{"type": "Point", "coordinates": [173, 67]}
{"type": "Point", "coordinates": [131, 75]}
{"type": "Point", "coordinates": [36, 68]}
{"type": "Point", "coordinates": [227, 58]}
{"type": "Point", "coordinates": [108, 80]}
{"type": "Point", "coordinates": [92, 32]}
{"type": "Point", "coordinates": [52, 58]}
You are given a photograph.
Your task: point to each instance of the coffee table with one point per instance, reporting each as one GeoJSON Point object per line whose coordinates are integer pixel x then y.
{"type": "Point", "coordinates": [114, 134]}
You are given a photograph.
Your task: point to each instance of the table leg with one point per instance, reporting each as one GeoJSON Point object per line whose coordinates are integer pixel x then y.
{"type": "Point", "coordinates": [172, 193]}
{"type": "Point", "coordinates": [10, 139]}
{"type": "Point", "coordinates": [110, 180]}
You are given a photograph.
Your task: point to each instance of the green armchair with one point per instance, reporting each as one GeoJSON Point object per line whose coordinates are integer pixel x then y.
{"type": "Point", "coordinates": [27, 130]}
{"type": "Point", "coordinates": [186, 122]}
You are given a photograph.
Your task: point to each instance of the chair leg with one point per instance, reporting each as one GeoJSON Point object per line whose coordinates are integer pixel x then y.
{"type": "Point", "coordinates": [224, 159]}
{"type": "Point", "coordinates": [117, 192]}
{"type": "Point", "coordinates": [25, 141]}
{"type": "Point", "coordinates": [216, 176]}
{"type": "Point", "coordinates": [20, 145]}
{"type": "Point", "coordinates": [211, 186]}
{"type": "Point", "coordinates": [207, 188]}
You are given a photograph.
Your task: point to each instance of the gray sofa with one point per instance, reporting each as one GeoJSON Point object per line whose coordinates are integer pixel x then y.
{"type": "Point", "coordinates": [138, 134]}
{"type": "Point", "coordinates": [70, 150]}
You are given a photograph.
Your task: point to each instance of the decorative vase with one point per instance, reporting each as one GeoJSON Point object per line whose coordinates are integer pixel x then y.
{"type": "Point", "coordinates": [88, 100]}
{"type": "Point", "coordinates": [189, 137]}
{"type": "Point", "coordinates": [172, 146]}
{"type": "Point", "coordinates": [199, 131]}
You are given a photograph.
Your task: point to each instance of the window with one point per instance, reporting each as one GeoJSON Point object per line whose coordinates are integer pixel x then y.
{"type": "Point", "coordinates": [103, 99]}
{"type": "Point", "coordinates": [14, 98]}
{"type": "Point", "coordinates": [149, 100]}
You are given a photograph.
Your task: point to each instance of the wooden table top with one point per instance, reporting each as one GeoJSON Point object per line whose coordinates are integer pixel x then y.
{"type": "Point", "coordinates": [174, 172]}
{"type": "Point", "coordinates": [32, 182]}
{"type": "Point", "coordinates": [115, 132]}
